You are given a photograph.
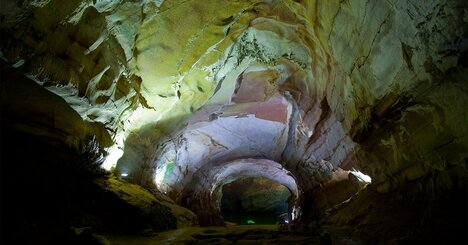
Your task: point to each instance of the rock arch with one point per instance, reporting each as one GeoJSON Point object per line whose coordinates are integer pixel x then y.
{"type": "Point", "coordinates": [203, 193]}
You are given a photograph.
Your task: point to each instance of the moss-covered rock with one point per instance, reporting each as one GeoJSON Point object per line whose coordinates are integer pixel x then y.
{"type": "Point", "coordinates": [141, 208]}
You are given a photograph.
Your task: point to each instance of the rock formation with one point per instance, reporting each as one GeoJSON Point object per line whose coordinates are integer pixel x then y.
{"type": "Point", "coordinates": [183, 97]}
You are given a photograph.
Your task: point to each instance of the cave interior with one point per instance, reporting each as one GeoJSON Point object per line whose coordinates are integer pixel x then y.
{"type": "Point", "coordinates": [247, 121]}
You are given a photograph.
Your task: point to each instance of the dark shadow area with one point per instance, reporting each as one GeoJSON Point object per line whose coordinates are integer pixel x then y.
{"type": "Point", "coordinates": [49, 195]}
{"type": "Point", "coordinates": [253, 200]}
{"type": "Point", "coordinates": [51, 192]}
{"type": "Point", "coordinates": [406, 216]}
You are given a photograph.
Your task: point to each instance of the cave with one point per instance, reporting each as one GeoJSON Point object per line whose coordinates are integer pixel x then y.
{"type": "Point", "coordinates": [247, 121]}
{"type": "Point", "coordinates": [254, 200]}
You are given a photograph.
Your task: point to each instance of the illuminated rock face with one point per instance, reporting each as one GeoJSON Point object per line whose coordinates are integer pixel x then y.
{"type": "Point", "coordinates": [203, 194]}
{"type": "Point", "coordinates": [184, 88]}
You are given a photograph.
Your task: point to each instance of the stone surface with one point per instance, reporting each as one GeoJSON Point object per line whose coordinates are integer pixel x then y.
{"type": "Point", "coordinates": [229, 235]}
{"type": "Point", "coordinates": [168, 89]}
{"type": "Point", "coordinates": [203, 194]}
{"type": "Point", "coordinates": [162, 211]}
{"type": "Point", "coordinates": [53, 193]}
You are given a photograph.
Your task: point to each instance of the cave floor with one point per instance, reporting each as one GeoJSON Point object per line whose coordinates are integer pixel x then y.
{"type": "Point", "coordinates": [239, 234]}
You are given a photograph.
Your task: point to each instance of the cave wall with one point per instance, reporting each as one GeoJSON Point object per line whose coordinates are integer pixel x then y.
{"type": "Point", "coordinates": [378, 86]}
{"type": "Point", "coordinates": [401, 88]}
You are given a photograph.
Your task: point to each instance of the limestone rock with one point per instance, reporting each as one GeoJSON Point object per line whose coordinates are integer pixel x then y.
{"type": "Point", "coordinates": [178, 94]}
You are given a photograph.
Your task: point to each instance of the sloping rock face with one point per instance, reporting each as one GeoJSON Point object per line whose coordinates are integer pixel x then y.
{"type": "Point", "coordinates": [183, 89]}
{"type": "Point", "coordinates": [53, 188]}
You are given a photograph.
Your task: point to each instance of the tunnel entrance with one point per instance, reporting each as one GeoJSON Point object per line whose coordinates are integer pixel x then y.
{"type": "Point", "coordinates": [254, 200]}
{"type": "Point", "coordinates": [204, 194]}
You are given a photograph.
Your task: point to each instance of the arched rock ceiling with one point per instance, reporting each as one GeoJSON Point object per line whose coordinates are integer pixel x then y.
{"type": "Point", "coordinates": [203, 193]}
{"type": "Point", "coordinates": [316, 83]}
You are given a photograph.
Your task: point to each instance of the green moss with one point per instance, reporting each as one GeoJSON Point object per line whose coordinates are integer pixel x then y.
{"type": "Point", "coordinates": [133, 194]}
{"type": "Point", "coordinates": [139, 207]}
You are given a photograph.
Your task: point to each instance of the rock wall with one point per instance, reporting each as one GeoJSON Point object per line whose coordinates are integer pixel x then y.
{"type": "Point", "coordinates": [377, 86]}
{"type": "Point", "coordinates": [400, 91]}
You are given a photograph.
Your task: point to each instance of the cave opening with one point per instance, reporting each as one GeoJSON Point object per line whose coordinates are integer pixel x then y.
{"type": "Point", "coordinates": [254, 200]}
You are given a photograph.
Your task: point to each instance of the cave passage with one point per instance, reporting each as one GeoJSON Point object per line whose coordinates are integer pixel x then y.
{"type": "Point", "coordinates": [254, 200]}
{"type": "Point", "coordinates": [222, 122]}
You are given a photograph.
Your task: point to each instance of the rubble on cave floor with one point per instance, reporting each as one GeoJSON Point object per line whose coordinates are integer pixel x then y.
{"type": "Point", "coordinates": [238, 234]}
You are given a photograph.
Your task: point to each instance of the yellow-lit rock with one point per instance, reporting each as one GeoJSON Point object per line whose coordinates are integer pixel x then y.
{"type": "Point", "coordinates": [379, 86]}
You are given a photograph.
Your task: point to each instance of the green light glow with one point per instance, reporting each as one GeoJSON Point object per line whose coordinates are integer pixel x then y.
{"type": "Point", "coordinates": [169, 168]}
